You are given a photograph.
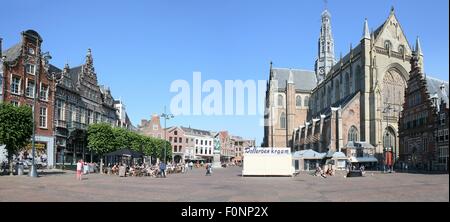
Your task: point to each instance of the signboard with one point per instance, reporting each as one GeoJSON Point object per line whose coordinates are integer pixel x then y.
{"type": "Point", "coordinates": [267, 161]}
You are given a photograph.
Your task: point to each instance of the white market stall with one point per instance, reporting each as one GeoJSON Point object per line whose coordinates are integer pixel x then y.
{"type": "Point", "coordinates": [267, 161]}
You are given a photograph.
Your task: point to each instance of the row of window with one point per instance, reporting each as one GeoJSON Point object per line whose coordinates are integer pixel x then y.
{"type": "Point", "coordinates": [71, 113]}
{"type": "Point", "coordinates": [388, 46]}
{"type": "Point", "coordinates": [203, 150]}
{"type": "Point", "coordinates": [414, 99]}
{"type": "Point", "coordinates": [177, 149]}
{"type": "Point", "coordinates": [342, 86]}
{"type": "Point", "coordinates": [415, 120]}
{"type": "Point", "coordinates": [30, 88]}
{"type": "Point", "coordinates": [298, 101]}
{"type": "Point", "coordinates": [442, 135]}
{"type": "Point", "coordinates": [42, 114]}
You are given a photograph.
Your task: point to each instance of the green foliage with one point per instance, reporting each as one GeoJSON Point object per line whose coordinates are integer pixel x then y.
{"type": "Point", "coordinates": [102, 138]}
{"type": "Point", "coordinates": [16, 127]}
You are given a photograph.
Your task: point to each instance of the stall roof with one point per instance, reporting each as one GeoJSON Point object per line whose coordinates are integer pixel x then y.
{"type": "Point", "coordinates": [308, 154]}
{"type": "Point", "coordinates": [339, 155]}
{"type": "Point", "coordinates": [363, 159]}
{"type": "Point", "coordinates": [359, 144]}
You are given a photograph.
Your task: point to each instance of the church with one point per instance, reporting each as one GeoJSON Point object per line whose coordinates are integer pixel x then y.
{"type": "Point", "coordinates": [347, 102]}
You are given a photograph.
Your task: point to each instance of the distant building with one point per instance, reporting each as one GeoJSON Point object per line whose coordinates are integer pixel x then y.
{"type": "Point", "coordinates": [151, 128]}
{"type": "Point", "coordinates": [239, 144]}
{"type": "Point", "coordinates": [123, 120]}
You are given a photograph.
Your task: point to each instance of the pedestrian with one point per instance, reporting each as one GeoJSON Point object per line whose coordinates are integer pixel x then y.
{"type": "Point", "coordinates": [79, 169]}
{"type": "Point", "coordinates": [208, 170]}
{"type": "Point", "coordinates": [162, 168]}
{"type": "Point", "coordinates": [186, 166]}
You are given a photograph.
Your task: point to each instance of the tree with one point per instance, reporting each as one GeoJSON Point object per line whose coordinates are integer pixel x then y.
{"type": "Point", "coordinates": [16, 129]}
{"type": "Point", "coordinates": [121, 137]}
{"type": "Point", "coordinates": [100, 140]}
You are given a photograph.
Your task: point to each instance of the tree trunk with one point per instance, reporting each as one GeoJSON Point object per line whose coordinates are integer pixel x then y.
{"type": "Point", "coordinates": [74, 161]}
{"type": "Point", "coordinates": [10, 165]}
{"type": "Point", "coordinates": [84, 154]}
{"type": "Point", "coordinates": [101, 165]}
{"type": "Point", "coordinates": [91, 157]}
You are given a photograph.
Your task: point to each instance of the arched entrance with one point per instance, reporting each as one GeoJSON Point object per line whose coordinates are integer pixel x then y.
{"type": "Point", "coordinates": [390, 148]}
{"type": "Point", "coordinates": [392, 99]}
{"type": "Point", "coordinates": [177, 158]}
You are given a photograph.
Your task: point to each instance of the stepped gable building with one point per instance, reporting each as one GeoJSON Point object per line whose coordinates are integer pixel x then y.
{"type": "Point", "coordinates": [424, 121]}
{"type": "Point", "coordinates": [25, 73]}
{"type": "Point", "coordinates": [151, 127]}
{"type": "Point", "coordinates": [80, 101]}
{"type": "Point", "coordinates": [356, 100]}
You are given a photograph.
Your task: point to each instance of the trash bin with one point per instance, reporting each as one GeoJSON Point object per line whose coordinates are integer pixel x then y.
{"type": "Point", "coordinates": [20, 169]}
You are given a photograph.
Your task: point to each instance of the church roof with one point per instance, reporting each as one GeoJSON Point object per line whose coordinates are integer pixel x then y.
{"type": "Point", "coordinates": [12, 53]}
{"type": "Point", "coordinates": [433, 87]}
{"type": "Point", "coordinates": [303, 79]}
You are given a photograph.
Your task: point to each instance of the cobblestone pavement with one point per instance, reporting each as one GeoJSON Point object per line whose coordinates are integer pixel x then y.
{"type": "Point", "coordinates": [225, 185]}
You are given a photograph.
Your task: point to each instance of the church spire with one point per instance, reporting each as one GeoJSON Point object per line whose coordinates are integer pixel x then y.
{"type": "Point", "coordinates": [419, 54]}
{"type": "Point", "coordinates": [418, 48]}
{"type": "Point", "coordinates": [89, 59]}
{"type": "Point", "coordinates": [366, 33]}
{"type": "Point", "coordinates": [325, 59]}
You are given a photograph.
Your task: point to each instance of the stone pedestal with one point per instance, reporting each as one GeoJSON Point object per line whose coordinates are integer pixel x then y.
{"type": "Point", "coordinates": [216, 160]}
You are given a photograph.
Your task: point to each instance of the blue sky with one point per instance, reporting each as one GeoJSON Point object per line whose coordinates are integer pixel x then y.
{"type": "Point", "coordinates": [140, 47]}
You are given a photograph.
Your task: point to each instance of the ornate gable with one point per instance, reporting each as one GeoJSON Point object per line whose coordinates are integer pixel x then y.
{"type": "Point", "coordinates": [392, 31]}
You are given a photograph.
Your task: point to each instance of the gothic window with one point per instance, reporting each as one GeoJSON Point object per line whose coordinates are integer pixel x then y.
{"type": "Point", "coordinates": [298, 101]}
{"type": "Point", "coordinates": [347, 84]}
{"type": "Point", "coordinates": [280, 100]}
{"type": "Point", "coordinates": [401, 50]}
{"type": "Point", "coordinates": [387, 45]}
{"type": "Point", "coordinates": [358, 78]}
{"type": "Point", "coordinates": [306, 101]}
{"type": "Point", "coordinates": [283, 121]}
{"type": "Point", "coordinates": [329, 96]}
{"type": "Point", "coordinates": [353, 134]}
{"type": "Point", "coordinates": [336, 92]}
{"type": "Point", "coordinates": [323, 98]}
{"type": "Point", "coordinates": [393, 91]}
{"type": "Point", "coordinates": [350, 83]}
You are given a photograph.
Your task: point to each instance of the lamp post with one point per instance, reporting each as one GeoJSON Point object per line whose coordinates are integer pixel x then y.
{"type": "Point", "coordinates": [166, 116]}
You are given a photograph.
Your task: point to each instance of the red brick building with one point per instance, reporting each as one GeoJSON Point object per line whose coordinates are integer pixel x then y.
{"type": "Point", "coordinates": [26, 74]}
{"type": "Point", "coordinates": [420, 125]}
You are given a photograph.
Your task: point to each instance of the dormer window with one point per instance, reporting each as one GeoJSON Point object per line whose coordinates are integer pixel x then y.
{"type": "Point", "coordinates": [30, 69]}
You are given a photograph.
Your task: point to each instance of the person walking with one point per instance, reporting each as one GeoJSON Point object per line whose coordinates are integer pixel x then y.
{"type": "Point", "coordinates": [79, 169]}
{"type": "Point", "coordinates": [190, 165]}
{"type": "Point", "coordinates": [162, 168]}
{"type": "Point", "coordinates": [208, 170]}
{"type": "Point", "coordinates": [186, 166]}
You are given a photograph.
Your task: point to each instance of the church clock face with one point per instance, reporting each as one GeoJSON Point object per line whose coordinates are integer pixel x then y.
{"type": "Point", "coordinates": [321, 71]}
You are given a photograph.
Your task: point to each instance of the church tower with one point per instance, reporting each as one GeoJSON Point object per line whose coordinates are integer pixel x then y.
{"type": "Point", "coordinates": [325, 58]}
